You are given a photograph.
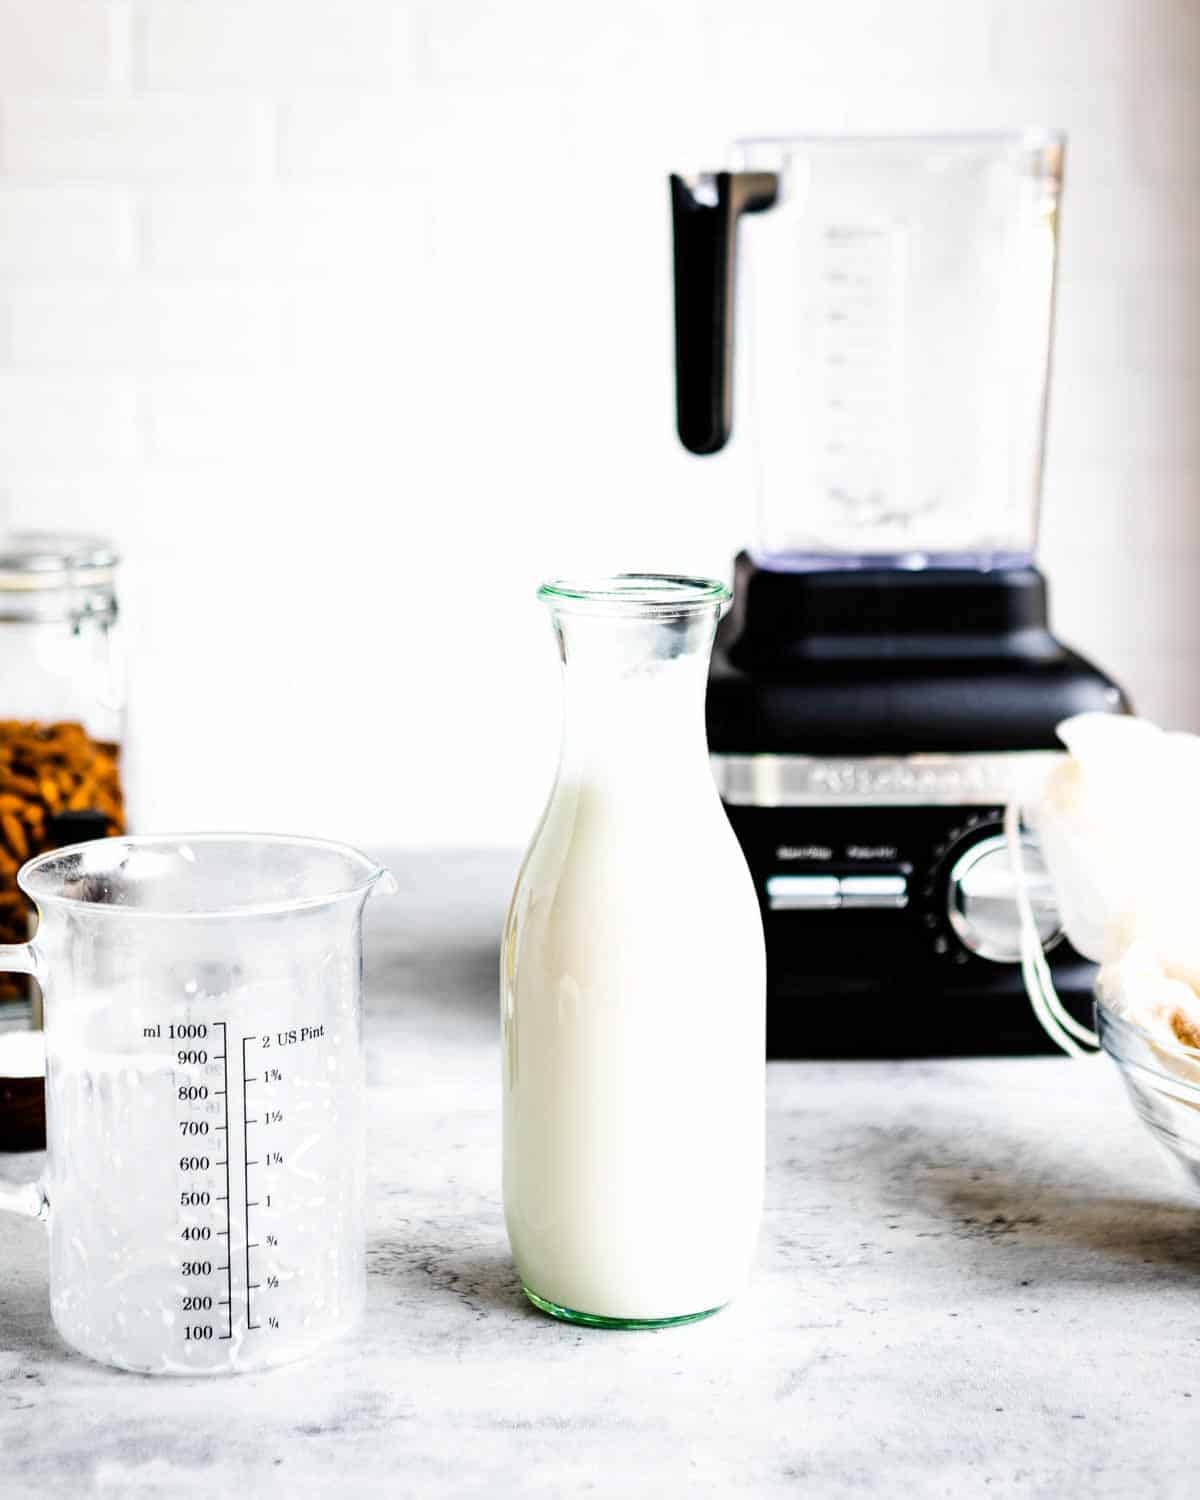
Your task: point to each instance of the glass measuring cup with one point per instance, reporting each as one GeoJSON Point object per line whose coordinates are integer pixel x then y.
{"type": "Point", "coordinates": [204, 1096]}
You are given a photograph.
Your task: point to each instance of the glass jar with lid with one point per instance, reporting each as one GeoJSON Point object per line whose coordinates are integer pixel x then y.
{"type": "Point", "coordinates": [62, 711]}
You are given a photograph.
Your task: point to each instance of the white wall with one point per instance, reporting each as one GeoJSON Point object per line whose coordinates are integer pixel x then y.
{"type": "Point", "coordinates": [351, 319]}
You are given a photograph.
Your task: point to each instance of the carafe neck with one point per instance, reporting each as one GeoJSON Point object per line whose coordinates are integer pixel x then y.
{"type": "Point", "coordinates": [634, 677]}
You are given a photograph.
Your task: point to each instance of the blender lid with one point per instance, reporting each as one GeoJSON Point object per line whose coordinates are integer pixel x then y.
{"type": "Point", "coordinates": [54, 560]}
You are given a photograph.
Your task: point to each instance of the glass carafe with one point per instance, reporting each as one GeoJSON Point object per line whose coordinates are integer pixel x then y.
{"type": "Point", "coordinates": [893, 341]}
{"type": "Point", "coordinates": [632, 983]}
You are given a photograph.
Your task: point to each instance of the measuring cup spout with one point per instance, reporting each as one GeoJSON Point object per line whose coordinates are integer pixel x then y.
{"type": "Point", "coordinates": [385, 882]}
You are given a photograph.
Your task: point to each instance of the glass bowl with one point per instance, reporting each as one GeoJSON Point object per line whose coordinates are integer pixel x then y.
{"type": "Point", "coordinates": [1163, 1079]}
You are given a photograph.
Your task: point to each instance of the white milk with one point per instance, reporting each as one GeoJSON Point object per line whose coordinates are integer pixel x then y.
{"type": "Point", "coordinates": [633, 1013]}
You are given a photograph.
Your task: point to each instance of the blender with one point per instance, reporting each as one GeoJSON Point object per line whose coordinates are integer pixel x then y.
{"type": "Point", "coordinates": [886, 681]}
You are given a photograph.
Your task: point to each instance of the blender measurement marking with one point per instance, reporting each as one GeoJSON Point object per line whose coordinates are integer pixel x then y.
{"type": "Point", "coordinates": [247, 1164]}
{"type": "Point", "coordinates": [228, 1266]}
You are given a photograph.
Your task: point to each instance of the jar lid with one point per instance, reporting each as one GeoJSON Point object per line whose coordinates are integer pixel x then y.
{"type": "Point", "coordinates": [54, 560]}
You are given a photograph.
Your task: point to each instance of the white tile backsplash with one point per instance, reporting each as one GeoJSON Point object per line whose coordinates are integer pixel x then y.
{"type": "Point", "coordinates": [201, 137]}
{"type": "Point", "coordinates": [44, 414]}
{"type": "Point", "coordinates": [1064, 41]}
{"type": "Point", "coordinates": [852, 43]}
{"type": "Point", "coordinates": [187, 44]}
{"type": "Point", "coordinates": [352, 320]}
{"type": "Point", "coordinates": [54, 230]}
{"type": "Point", "coordinates": [58, 44]}
{"type": "Point", "coordinates": [245, 236]}
{"type": "Point", "coordinates": [212, 416]}
{"type": "Point", "coordinates": [144, 325]}
{"type": "Point", "coordinates": [231, 231]}
{"type": "Point", "coordinates": [326, 133]}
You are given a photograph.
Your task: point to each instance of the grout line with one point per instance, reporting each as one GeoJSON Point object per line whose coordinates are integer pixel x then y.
{"type": "Point", "coordinates": [270, 148]}
{"type": "Point", "coordinates": [122, 44]}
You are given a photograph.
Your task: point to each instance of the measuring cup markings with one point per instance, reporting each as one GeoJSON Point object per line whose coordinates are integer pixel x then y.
{"type": "Point", "coordinates": [206, 1214]}
{"type": "Point", "coordinates": [199, 1260]}
{"type": "Point", "coordinates": [270, 1119]}
{"type": "Point", "coordinates": [228, 1299]}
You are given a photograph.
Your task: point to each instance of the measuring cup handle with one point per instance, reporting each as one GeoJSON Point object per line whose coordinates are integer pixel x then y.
{"type": "Point", "coordinates": [24, 1198]}
{"type": "Point", "coordinates": [18, 958]}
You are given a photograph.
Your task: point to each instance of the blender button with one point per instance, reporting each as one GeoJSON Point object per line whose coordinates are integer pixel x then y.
{"type": "Point", "coordinates": [878, 891]}
{"type": "Point", "coordinates": [803, 892]}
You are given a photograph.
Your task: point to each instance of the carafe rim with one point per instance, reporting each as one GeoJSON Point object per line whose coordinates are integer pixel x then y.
{"type": "Point", "coordinates": [639, 594]}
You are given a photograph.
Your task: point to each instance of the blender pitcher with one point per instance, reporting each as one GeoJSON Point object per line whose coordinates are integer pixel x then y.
{"type": "Point", "coordinates": [204, 1096]}
{"type": "Point", "coordinates": [887, 680]}
{"type": "Point", "coordinates": [896, 310]}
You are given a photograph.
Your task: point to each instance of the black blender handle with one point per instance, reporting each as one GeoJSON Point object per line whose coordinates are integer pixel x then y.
{"type": "Point", "coordinates": [704, 213]}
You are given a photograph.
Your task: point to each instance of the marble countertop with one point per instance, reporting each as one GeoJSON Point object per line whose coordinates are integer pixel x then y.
{"type": "Point", "coordinates": [974, 1276]}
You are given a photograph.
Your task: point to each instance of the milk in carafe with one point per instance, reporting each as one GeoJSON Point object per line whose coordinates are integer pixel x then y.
{"type": "Point", "coordinates": [633, 984]}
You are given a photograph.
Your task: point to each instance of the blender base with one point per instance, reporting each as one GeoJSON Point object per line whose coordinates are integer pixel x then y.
{"type": "Point", "coordinates": [867, 730]}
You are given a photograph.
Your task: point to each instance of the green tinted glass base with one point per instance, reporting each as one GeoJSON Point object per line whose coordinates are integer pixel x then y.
{"type": "Point", "coordinates": [593, 1320]}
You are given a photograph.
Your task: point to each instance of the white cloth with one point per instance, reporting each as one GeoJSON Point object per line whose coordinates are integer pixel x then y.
{"type": "Point", "coordinates": [1119, 827]}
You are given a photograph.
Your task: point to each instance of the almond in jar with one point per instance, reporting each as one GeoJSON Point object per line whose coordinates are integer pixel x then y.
{"type": "Point", "coordinates": [62, 712]}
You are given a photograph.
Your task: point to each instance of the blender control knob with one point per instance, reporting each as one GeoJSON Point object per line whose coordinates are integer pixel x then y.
{"type": "Point", "coordinates": [982, 899]}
